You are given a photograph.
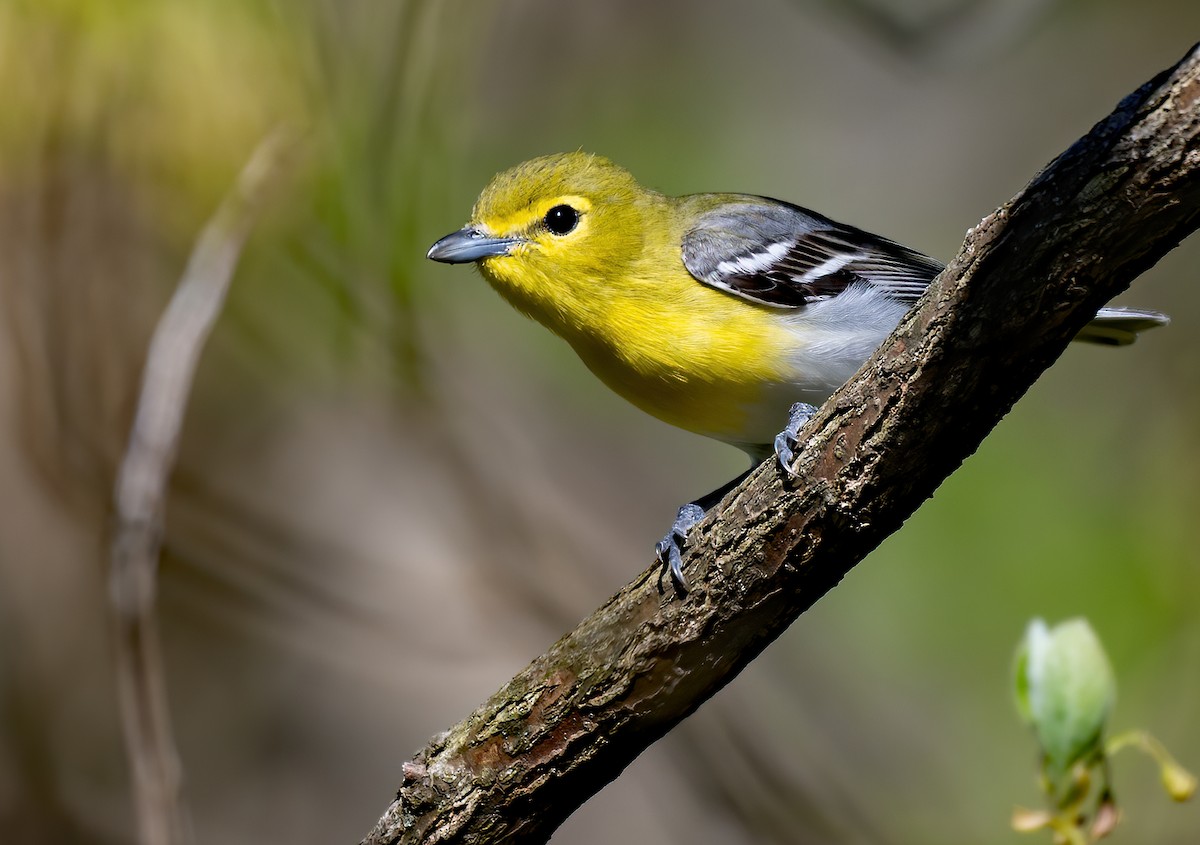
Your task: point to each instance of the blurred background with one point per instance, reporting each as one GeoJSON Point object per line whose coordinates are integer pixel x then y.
{"type": "Point", "coordinates": [394, 491]}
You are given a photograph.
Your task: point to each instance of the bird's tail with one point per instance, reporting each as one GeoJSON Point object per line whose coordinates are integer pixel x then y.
{"type": "Point", "coordinates": [1120, 326]}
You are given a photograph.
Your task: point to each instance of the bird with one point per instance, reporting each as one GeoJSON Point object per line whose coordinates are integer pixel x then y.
{"type": "Point", "coordinates": [729, 315]}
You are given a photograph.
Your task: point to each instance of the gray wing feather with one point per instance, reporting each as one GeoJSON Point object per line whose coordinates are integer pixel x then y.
{"type": "Point", "coordinates": [775, 253]}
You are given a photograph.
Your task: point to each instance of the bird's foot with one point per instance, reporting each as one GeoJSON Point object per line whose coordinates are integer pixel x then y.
{"type": "Point", "coordinates": [786, 442]}
{"type": "Point", "coordinates": [670, 548]}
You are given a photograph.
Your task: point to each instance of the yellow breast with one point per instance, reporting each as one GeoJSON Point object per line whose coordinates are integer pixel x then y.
{"type": "Point", "coordinates": [695, 358]}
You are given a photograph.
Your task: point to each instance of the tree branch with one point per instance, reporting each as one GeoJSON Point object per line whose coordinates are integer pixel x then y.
{"type": "Point", "coordinates": [1028, 277]}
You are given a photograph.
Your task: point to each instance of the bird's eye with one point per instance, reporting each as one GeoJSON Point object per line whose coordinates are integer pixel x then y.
{"type": "Point", "coordinates": [561, 219]}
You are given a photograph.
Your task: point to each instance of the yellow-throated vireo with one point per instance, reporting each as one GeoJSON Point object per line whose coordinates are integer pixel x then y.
{"type": "Point", "coordinates": [714, 312]}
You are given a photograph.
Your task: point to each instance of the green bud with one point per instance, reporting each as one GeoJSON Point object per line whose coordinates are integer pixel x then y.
{"type": "Point", "coordinates": [1065, 690]}
{"type": "Point", "coordinates": [1178, 781]}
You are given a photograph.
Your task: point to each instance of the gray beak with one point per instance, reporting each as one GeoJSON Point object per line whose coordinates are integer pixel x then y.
{"type": "Point", "coordinates": [469, 244]}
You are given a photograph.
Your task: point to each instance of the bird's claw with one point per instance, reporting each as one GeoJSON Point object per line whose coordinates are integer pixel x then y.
{"type": "Point", "coordinates": [787, 442]}
{"type": "Point", "coordinates": [670, 548]}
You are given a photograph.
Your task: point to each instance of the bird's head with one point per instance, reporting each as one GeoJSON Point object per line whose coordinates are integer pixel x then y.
{"type": "Point", "coordinates": [553, 234]}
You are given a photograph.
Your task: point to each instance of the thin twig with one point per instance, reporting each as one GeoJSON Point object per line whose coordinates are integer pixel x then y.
{"type": "Point", "coordinates": [140, 496]}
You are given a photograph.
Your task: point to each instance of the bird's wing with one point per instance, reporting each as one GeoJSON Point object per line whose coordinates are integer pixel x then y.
{"type": "Point", "coordinates": [779, 254]}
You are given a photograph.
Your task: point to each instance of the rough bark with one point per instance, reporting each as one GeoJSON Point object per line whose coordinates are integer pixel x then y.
{"type": "Point", "coordinates": [1028, 277]}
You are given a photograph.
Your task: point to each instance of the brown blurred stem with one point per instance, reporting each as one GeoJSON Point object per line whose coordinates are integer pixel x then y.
{"type": "Point", "coordinates": [1028, 277]}
{"type": "Point", "coordinates": [141, 491]}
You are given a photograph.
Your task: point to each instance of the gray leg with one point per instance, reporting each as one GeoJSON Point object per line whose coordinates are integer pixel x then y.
{"type": "Point", "coordinates": [670, 548]}
{"type": "Point", "coordinates": [786, 441]}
